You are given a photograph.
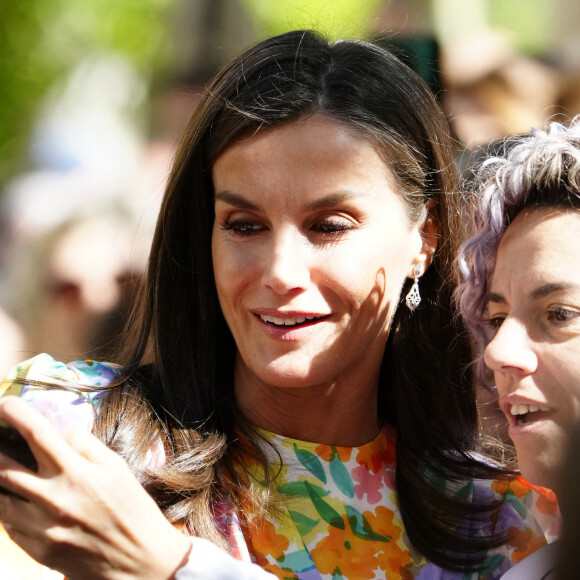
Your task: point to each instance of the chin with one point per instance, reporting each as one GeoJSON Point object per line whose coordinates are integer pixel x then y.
{"type": "Point", "coordinates": [289, 381]}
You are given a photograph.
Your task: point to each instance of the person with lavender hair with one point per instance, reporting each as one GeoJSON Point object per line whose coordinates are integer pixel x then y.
{"type": "Point", "coordinates": [520, 298]}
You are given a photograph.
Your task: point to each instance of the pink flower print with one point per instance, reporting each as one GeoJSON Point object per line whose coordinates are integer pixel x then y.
{"type": "Point", "coordinates": [370, 483]}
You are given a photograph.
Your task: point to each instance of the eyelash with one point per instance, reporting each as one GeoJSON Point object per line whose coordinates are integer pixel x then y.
{"type": "Point", "coordinates": [332, 227]}
{"type": "Point", "coordinates": [495, 322]}
{"type": "Point", "coordinates": [241, 227]}
{"type": "Point", "coordinates": [329, 228]}
{"type": "Point", "coordinates": [555, 313]}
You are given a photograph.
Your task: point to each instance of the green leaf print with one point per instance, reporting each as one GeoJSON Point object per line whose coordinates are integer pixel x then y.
{"type": "Point", "coordinates": [465, 493]}
{"type": "Point", "coordinates": [311, 462]}
{"type": "Point", "coordinates": [516, 503]}
{"type": "Point", "coordinates": [493, 563]}
{"type": "Point", "coordinates": [298, 489]}
{"type": "Point", "coordinates": [361, 528]}
{"type": "Point", "coordinates": [328, 513]}
{"type": "Point", "coordinates": [304, 524]}
{"type": "Point", "coordinates": [340, 475]}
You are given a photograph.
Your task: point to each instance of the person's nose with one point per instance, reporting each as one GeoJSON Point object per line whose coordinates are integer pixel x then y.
{"type": "Point", "coordinates": [511, 351]}
{"type": "Point", "coordinates": [286, 268]}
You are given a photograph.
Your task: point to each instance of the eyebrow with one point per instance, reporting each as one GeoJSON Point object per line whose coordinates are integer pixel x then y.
{"type": "Point", "coordinates": [537, 293]}
{"type": "Point", "coordinates": [235, 200]}
{"type": "Point", "coordinates": [327, 201]}
{"type": "Point", "coordinates": [496, 298]}
{"type": "Point", "coordinates": [550, 288]}
{"type": "Point", "coordinates": [333, 199]}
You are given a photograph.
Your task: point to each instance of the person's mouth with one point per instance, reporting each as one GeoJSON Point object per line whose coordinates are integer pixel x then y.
{"type": "Point", "coordinates": [524, 413]}
{"type": "Point", "coordinates": [291, 321]}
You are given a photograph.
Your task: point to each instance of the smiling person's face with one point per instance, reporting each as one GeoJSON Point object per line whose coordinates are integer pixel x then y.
{"type": "Point", "coordinates": [534, 311]}
{"type": "Point", "coordinates": [311, 246]}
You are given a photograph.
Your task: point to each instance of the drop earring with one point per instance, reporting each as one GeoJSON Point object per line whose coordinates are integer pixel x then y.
{"type": "Point", "coordinates": [413, 298]}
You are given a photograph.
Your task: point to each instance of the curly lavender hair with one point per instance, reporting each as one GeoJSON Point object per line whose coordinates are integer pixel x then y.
{"type": "Point", "coordinates": [541, 169]}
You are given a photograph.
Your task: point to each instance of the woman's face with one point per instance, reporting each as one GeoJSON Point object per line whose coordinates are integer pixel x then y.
{"type": "Point", "coordinates": [534, 309]}
{"type": "Point", "coordinates": [311, 245]}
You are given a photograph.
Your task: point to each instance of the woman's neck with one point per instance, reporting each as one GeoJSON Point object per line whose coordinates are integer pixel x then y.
{"type": "Point", "coordinates": [337, 413]}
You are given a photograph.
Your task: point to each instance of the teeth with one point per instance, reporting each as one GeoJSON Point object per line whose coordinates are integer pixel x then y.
{"type": "Point", "coordinates": [524, 409]}
{"type": "Point", "coordinates": [286, 321]}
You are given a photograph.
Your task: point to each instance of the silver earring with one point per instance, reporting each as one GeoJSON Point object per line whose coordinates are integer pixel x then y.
{"type": "Point", "coordinates": [413, 298]}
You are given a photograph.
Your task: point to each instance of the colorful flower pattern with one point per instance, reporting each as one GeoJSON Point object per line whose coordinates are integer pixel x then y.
{"type": "Point", "coordinates": [342, 519]}
{"type": "Point", "coordinates": [339, 516]}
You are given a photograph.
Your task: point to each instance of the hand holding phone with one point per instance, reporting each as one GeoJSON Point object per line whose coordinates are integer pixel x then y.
{"type": "Point", "coordinates": [108, 525]}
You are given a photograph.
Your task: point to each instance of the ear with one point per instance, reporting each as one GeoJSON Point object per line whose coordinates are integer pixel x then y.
{"type": "Point", "coordinates": [430, 239]}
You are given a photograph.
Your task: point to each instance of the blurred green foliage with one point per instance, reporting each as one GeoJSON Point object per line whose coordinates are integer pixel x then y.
{"type": "Point", "coordinates": [42, 40]}
{"type": "Point", "coordinates": [333, 17]}
{"type": "Point", "coordinates": [528, 23]}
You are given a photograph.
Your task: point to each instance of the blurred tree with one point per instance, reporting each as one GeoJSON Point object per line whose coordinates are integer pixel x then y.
{"type": "Point", "coordinates": [41, 41]}
{"type": "Point", "coordinates": [333, 17]}
{"type": "Point", "coordinates": [529, 24]}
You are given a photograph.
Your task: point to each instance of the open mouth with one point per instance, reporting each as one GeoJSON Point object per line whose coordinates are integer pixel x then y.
{"type": "Point", "coordinates": [522, 414]}
{"type": "Point", "coordinates": [297, 321]}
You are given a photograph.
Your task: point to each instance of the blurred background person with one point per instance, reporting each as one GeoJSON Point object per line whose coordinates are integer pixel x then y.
{"type": "Point", "coordinates": [12, 341]}
{"type": "Point", "coordinates": [73, 282]}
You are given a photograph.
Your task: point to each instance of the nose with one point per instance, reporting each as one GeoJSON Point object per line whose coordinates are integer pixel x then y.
{"type": "Point", "coordinates": [286, 269]}
{"type": "Point", "coordinates": [511, 350]}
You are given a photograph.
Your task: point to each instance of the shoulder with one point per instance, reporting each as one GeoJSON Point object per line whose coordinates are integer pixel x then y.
{"type": "Point", "coordinates": [528, 516]}
{"type": "Point", "coordinates": [538, 565]}
{"type": "Point", "coordinates": [65, 392]}
{"type": "Point", "coordinates": [533, 503]}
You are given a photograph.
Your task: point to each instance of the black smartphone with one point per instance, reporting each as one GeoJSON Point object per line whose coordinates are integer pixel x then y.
{"type": "Point", "coordinates": [16, 447]}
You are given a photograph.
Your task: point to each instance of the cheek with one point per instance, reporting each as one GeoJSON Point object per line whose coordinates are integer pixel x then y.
{"type": "Point", "coordinates": [572, 362]}
{"type": "Point", "coordinates": [562, 364]}
{"type": "Point", "coordinates": [571, 382]}
{"type": "Point", "coordinates": [372, 278]}
{"type": "Point", "coordinates": [222, 271]}
{"type": "Point", "coordinates": [390, 269]}
{"type": "Point", "coordinates": [230, 261]}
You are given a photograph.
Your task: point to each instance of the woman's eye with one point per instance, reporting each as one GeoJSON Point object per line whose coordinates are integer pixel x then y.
{"type": "Point", "coordinates": [242, 227]}
{"type": "Point", "coordinates": [560, 314]}
{"type": "Point", "coordinates": [332, 226]}
{"type": "Point", "coordinates": [494, 322]}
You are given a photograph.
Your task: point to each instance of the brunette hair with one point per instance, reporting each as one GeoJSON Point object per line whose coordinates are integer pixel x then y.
{"type": "Point", "coordinates": [178, 367]}
{"type": "Point", "coordinates": [538, 170]}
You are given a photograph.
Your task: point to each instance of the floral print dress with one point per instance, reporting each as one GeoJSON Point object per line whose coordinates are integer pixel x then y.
{"type": "Point", "coordinates": [339, 515]}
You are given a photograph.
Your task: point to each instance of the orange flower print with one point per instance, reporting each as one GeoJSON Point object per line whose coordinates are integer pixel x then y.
{"type": "Point", "coordinates": [265, 541]}
{"type": "Point", "coordinates": [547, 502]}
{"type": "Point", "coordinates": [366, 543]}
{"type": "Point", "coordinates": [525, 542]}
{"type": "Point", "coordinates": [280, 573]}
{"type": "Point", "coordinates": [341, 552]}
{"type": "Point", "coordinates": [326, 452]}
{"type": "Point", "coordinates": [379, 455]}
{"type": "Point", "coordinates": [394, 559]}
{"type": "Point", "coordinates": [519, 487]}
